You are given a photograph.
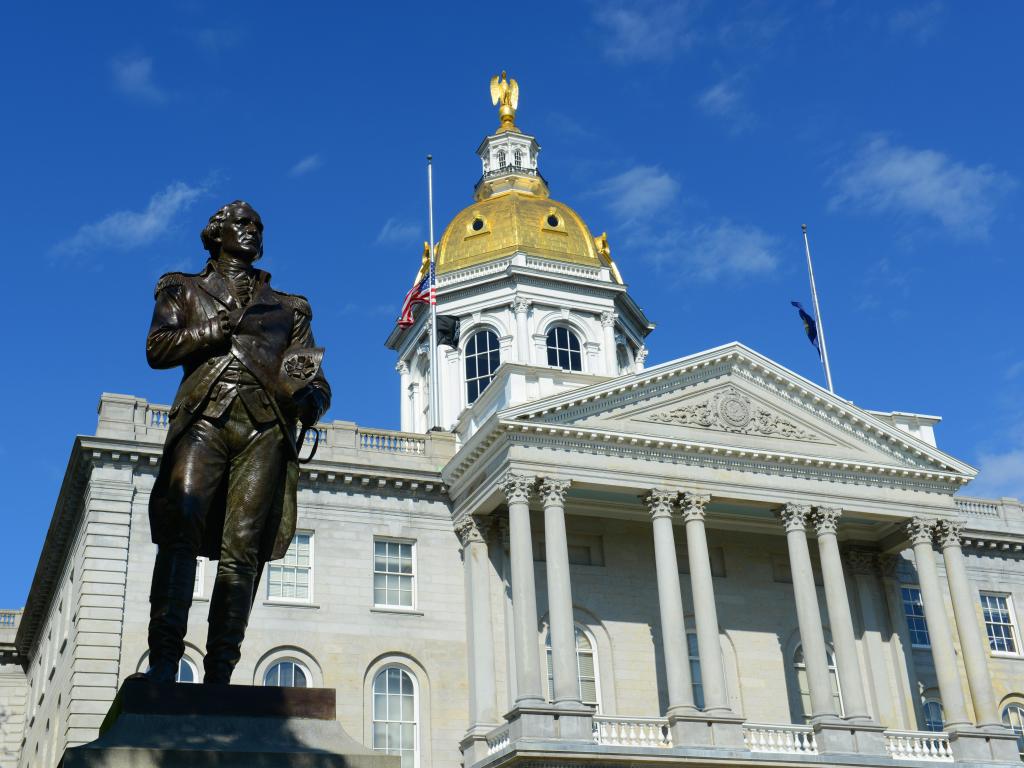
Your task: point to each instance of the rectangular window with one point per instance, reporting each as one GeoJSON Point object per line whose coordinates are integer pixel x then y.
{"type": "Point", "coordinates": [913, 609]}
{"type": "Point", "coordinates": [698, 684]}
{"type": "Point", "coordinates": [1000, 623]}
{"type": "Point", "coordinates": [291, 577]}
{"type": "Point", "coordinates": [197, 589]}
{"type": "Point", "coordinates": [393, 573]}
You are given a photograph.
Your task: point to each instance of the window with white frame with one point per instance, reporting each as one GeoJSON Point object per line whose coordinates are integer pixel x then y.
{"type": "Point", "coordinates": [586, 668]}
{"type": "Point", "coordinates": [933, 716]}
{"type": "Point", "coordinates": [197, 588]}
{"type": "Point", "coordinates": [1013, 718]}
{"type": "Point", "coordinates": [564, 349]}
{"type": "Point", "coordinates": [287, 674]}
{"type": "Point", "coordinates": [187, 672]}
{"type": "Point", "coordinates": [1000, 623]}
{"type": "Point", "coordinates": [804, 686]}
{"type": "Point", "coordinates": [695, 677]}
{"type": "Point", "coordinates": [913, 609]}
{"type": "Point", "coordinates": [517, 157]}
{"type": "Point", "coordinates": [291, 577]}
{"type": "Point", "coordinates": [393, 573]}
{"type": "Point", "coordinates": [395, 715]}
{"type": "Point", "coordinates": [501, 158]}
{"type": "Point", "coordinates": [483, 356]}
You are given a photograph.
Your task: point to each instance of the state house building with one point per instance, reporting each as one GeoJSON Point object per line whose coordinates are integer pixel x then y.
{"type": "Point", "coordinates": [710, 561]}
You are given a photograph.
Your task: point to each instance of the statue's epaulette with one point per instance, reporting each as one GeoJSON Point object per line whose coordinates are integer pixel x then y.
{"type": "Point", "coordinates": [298, 303]}
{"type": "Point", "coordinates": [171, 278]}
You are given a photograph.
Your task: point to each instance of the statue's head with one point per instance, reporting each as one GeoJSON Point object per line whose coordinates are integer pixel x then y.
{"type": "Point", "coordinates": [235, 229]}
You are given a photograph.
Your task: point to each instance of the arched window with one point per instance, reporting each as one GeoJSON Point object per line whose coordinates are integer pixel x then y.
{"type": "Point", "coordinates": [287, 674]}
{"type": "Point", "coordinates": [501, 158]}
{"type": "Point", "coordinates": [186, 671]}
{"type": "Point", "coordinates": [805, 690]}
{"type": "Point", "coordinates": [394, 714]}
{"type": "Point", "coordinates": [564, 349]}
{"type": "Point", "coordinates": [1013, 717]}
{"type": "Point", "coordinates": [933, 720]}
{"type": "Point", "coordinates": [586, 668]}
{"type": "Point", "coordinates": [517, 157]}
{"type": "Point", "coordinates": [482, 359]}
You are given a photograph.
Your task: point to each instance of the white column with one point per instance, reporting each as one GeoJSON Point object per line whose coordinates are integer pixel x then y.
{"type": "Point", "coordinates": [921, 531]}
{"type": "Point", "coordinates": [560, 615]}
{"type": "Point", "coordinates": [670, 604]}
{"type": "Point", "coordinates": [808, 615]}
{"type": "Point", "coordinates": [521, 308]}
{"type": "Point", "coordinates": [972, 646]}
{"type": "Point", "coordinates": [456, 386]}
{"type": "Point", "coordinates": [705, 615]}
{"type": "Point", "coordinates": [416, 402]}
{"type": "Point", "coordinates": [524, 591]}
{"type": "Point", "coordinates": [403, 389]}
{"type": "Point", "coordinates": [608, 331]}
{"type": "Point", "coordinates": [840, 619]}
{"type": "Point", "coordinates": [480, 636]}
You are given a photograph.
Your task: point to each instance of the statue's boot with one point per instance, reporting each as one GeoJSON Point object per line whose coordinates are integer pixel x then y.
{"type": "Point", "coordinates": [170, 597]}
{"type": "Point", "coordinates": [230, 604]}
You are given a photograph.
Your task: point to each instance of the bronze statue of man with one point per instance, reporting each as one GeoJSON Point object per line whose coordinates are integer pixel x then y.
{"type": "Point", "coordinates": [226, 488]}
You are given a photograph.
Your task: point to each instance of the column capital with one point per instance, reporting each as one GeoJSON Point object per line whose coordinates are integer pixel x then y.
{"type": "Point", "coordinates": [552, 490]}
{"type": "Point", "coordinates": [520, 305]}
{"type": "Point", "coordinates": [826, 520]}
{"type": "Point", "coordinates": [660, 502]}
{"type": "Point", "coordinates": [641, 356]}
{"type": "Point", "coordinates": [921, 530]}
{"type": "Point", "coordinates": [517, 487]}
{"type": "Point", "coordinates": [472, 530]}
{"type": "Point", "coordinates": [402, 367]}
{"type": "Point", "coordinates": [949, 533]}
{"type": "Point", "coordinates": [693, 505]}
{"type": "Point", "coordinates": [794, 516]}
{"type": "Point", "coordinates": [608, 319]}
{"type": "Point", "coordinates": [862, 562]}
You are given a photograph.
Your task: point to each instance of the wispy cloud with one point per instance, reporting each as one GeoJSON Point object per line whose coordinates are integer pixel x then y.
{"type": "Point", "coordinates": [886, 178]}
{"type": "Point", "coordinates": [725, 100]}
{"type": "Point", "coordinates": [133, 76]}
{"type": "Point", "coordinates": [305, 165]}
{"type": "Point", "coordinates": [123, 230]}
{"type": "Point", "coordinates": [645, 31]}
{"type": "Point", "coordinates": [639, 192]}
{"type": "Point", "coordinates": [708, 252]}
{"type": "Point", "coordinates": [921, 22]}
{"type": "Point", "coordinates": [1000, 474]}
{"type": "Point", "coordinates": [399, 232]}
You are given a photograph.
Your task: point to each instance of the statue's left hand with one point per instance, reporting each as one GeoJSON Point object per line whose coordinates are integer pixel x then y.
{"type": "Point", "coordinates": [309, 405]}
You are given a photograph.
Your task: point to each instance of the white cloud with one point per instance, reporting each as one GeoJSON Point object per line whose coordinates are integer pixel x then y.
{"type": "Point", "coordinates": [305, 165]}
{"type": "Point", "coordinates": [885, 178]}
{"type": "Point", "coordinates": [921, 22]}
{"type": "Point", "coordinates": [398, 232]}
{"type": "Point", "coordinates": [724, 99]}
{"type": "Point", "coordinates": [999, 474]}
{"type": "Point", "coordinates": [707, 253]}
{"type": "Point", "coordinates": [133, 75]}
{"type": "Point", "coordinates": [123, 230]}
{"type": "Point", "coordinates": [639, 192]}
{"type": "Point", "coordinates": [645, 31]}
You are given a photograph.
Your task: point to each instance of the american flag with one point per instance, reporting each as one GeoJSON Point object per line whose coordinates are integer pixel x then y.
{"type": "Point", "coordinates": [423, 292]}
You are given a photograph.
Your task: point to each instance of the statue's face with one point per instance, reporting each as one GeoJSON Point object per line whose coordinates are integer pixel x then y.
{"type": "Point", "coordinates": [241, 234]}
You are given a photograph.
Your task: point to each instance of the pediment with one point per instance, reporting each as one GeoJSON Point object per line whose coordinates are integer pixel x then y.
{"type": "Point", "coordinates": [734, 401]}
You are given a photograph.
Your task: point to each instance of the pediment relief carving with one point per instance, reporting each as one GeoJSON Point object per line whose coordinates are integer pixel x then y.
{"type": "Point", "coordinates": [732, 411]}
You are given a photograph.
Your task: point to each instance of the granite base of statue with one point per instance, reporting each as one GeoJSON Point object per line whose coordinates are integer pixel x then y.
{"type": "Point", "coordinates": [172, 725]}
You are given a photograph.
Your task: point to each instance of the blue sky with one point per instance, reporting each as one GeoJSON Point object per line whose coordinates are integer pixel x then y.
{"type": "Point", "coordinates": [699, 135]}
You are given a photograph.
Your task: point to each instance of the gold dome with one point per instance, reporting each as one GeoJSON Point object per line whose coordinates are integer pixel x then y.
{"type": "Point", "coordinates": [517, 221]}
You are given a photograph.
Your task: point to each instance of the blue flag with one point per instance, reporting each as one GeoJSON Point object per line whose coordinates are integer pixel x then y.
{"type": "Point", "coordinates": [810, 326]}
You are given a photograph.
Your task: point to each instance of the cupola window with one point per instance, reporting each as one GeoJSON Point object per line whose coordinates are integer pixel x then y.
{"type": "Point", "coordinates": [501, 158]}
{"type": "Point", "coordinates": [552, 220]}
{"type": "Point", "coordinates": [564, 349]}
{"type": "Point", "coordinates": [517, 157]}
{"type": "Point", "coordinates": [478, 224]}
{"type": "Point", "coordinates": [483, 356]}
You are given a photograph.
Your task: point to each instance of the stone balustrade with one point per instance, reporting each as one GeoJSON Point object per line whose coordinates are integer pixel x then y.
{"type": "Point", "coordinates": [919, 745]}
{"type": "Point", "coordinates": [9, 619]}
{"type": "Point", "coordinates": [498, 739]}
{"type": "Point", "coordinates": [780, 739]}
{"type": "Point", "coordinates": [632, 731]}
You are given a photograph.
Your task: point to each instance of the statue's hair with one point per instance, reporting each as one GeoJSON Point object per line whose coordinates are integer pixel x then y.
{"type": "Point", "coordinates": [211, 232]}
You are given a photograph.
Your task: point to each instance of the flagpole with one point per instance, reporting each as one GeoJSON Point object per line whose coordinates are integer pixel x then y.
{"type": "Point", "coordinates": [817, 313]}
{"type": "Point", "coordinates": [435, 399]}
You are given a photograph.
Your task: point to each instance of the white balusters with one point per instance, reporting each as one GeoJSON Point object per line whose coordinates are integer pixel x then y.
{"type": "Point", "coordinates": [780, 739]}
{"type": "Point", "coordinates": [632, 731]}
{"type": "Point", "coordinates": [919, 745]}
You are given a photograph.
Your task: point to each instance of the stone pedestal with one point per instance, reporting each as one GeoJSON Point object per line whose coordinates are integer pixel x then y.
{"type": "Point", "coordinates": [984, 745]}
{"type": "Point", "coordinates": [706, 729]}
{"type": "Point", "coordinates": [174, 725]}
{"type": "Point", "coordinates": [835, 735]}
{"type": "Point", "coordinates": [549, 722]}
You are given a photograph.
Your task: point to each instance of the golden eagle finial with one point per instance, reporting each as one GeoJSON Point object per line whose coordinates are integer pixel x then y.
{"type": "Point", "coordinates": [506, 93]}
